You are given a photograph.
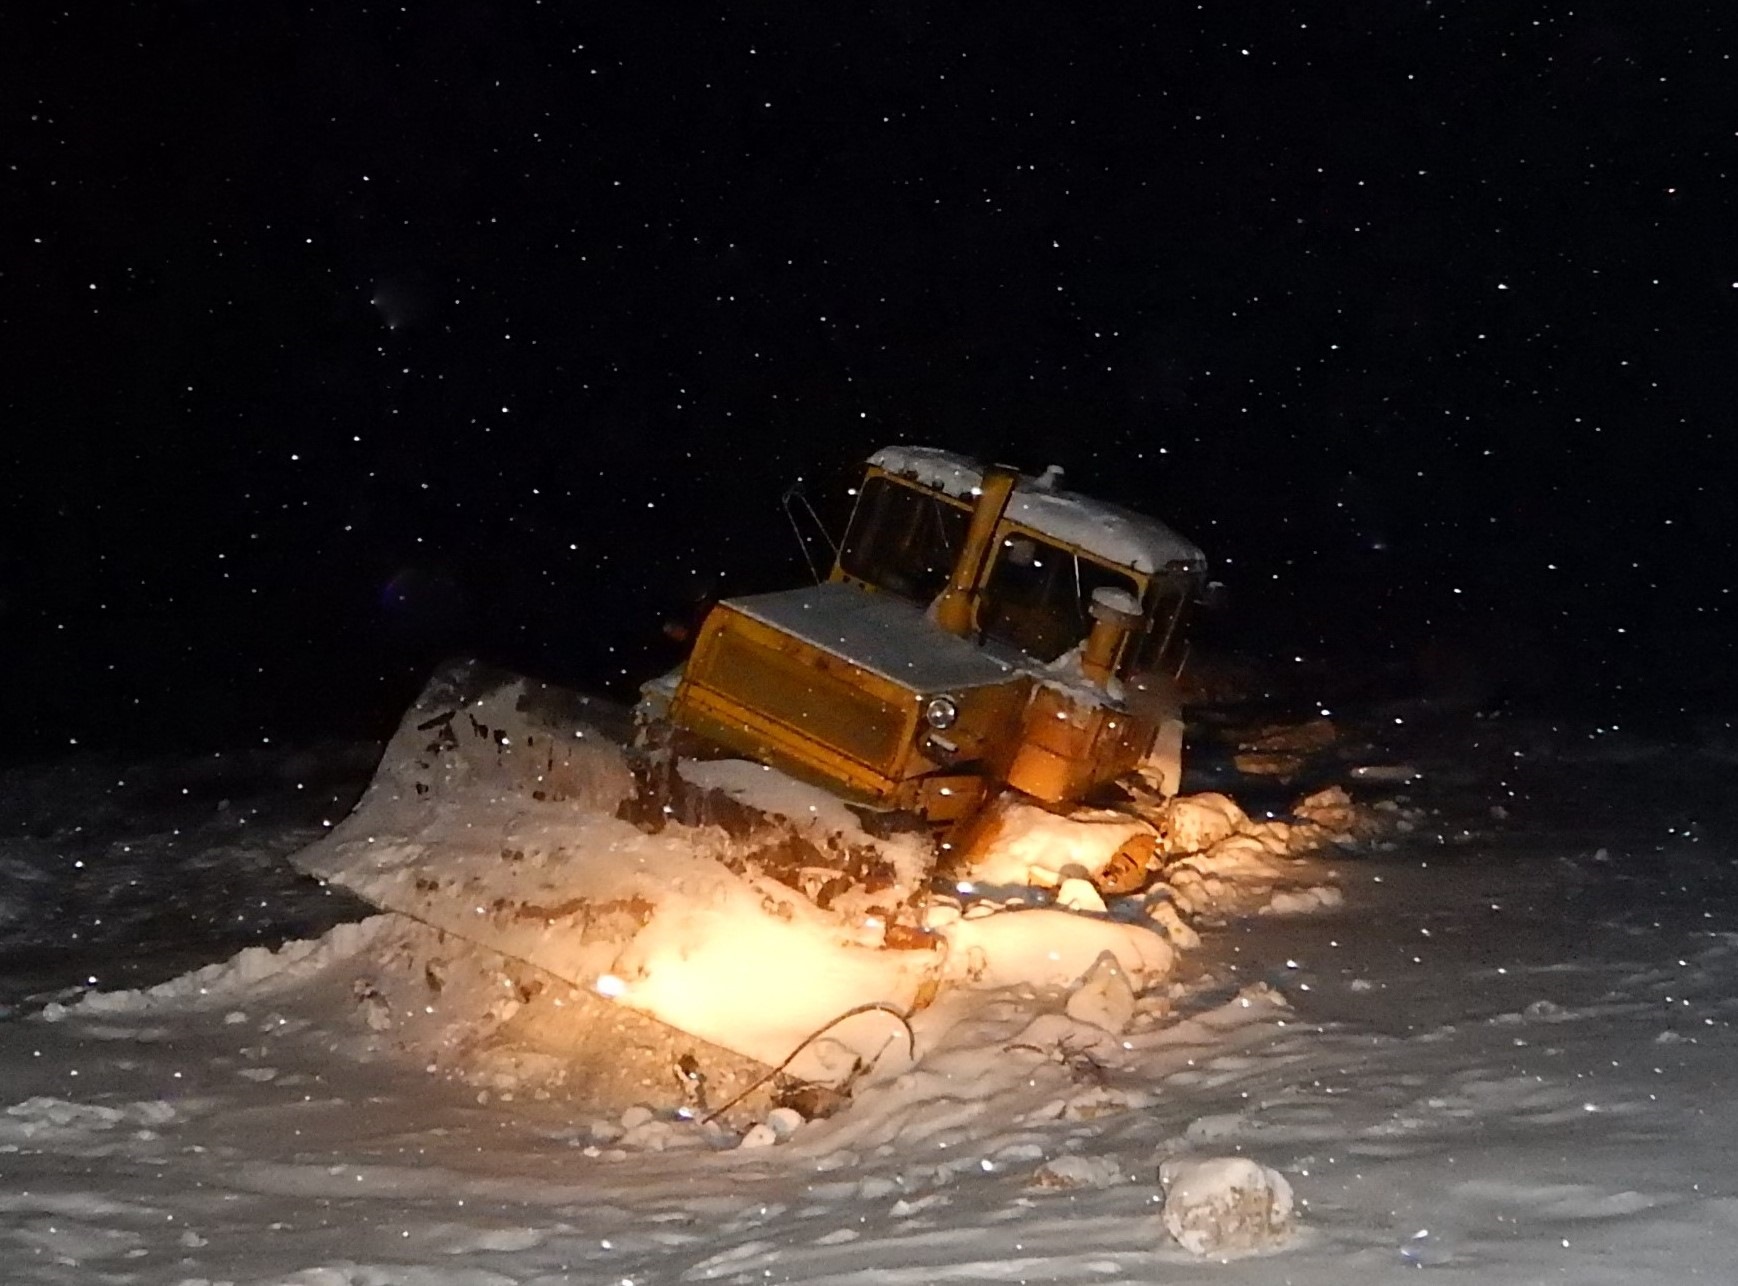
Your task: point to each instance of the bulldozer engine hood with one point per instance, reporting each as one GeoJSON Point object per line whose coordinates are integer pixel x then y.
{"type": "Point", "coordinates": [885, 635]}
{"type": "Point", "coordinates": [856, 691]}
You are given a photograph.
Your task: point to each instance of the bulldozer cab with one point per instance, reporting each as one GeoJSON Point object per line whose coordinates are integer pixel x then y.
{"type": "Point", "coordinates": [980, 629]}
{"type": "Point", "coordinates": [907, 532]}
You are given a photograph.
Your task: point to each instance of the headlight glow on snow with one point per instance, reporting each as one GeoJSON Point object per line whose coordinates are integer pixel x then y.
{"type": "Point", "coordinates": [608, 984]}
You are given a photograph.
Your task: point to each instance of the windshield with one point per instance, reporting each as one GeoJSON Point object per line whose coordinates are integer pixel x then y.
{"type": "Point", "coordinates": [1038, 595]}
{"type": "Point", "coordinates": [1163, 648]}
{"type": "Point", "coordinates": [903, 540]}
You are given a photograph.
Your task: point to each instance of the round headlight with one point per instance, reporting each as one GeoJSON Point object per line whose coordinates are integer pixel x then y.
{"type": "Point", "coordinates": [940, 713]}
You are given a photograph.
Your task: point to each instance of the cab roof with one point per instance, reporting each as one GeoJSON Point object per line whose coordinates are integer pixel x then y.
{"type": "Point", "coordinates": [1108, 531]}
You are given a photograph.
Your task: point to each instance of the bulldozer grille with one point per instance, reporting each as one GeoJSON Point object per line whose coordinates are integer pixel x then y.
{"type": "Point", "coordinates": [799, 695]}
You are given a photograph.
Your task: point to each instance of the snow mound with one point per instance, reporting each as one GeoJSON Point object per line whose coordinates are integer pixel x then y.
{"type": "Point", "coordinates": [1212, 857]}
{"type": "Point", "coordinates": [808, 808]}
{"type": "Point", "coordinates": [44, 1119]}
{"type": "Point", "coordinates": [550, 937]}
{"type": "Point", "coordinates": [1074, 1171]}
{"type": "Point", "coordinates": [1023, 844]}
{"type": "Point", "coordinates": [1104, 996]}
{"type": "Point", "coordinates": [1226, 1206]}
{"type": "Point", "coordinates": [1322, 897]}
{"type": "Point", "coordinates": [499, 816]}
{"type": "Point", "coordinates": [389, 989]}
{"type": "Point", "coordinates": [254, 973]}
{"type": "Point", "coordinates": [1196, 823]}
{"type": "Point", "coordinates": [1050, 948]}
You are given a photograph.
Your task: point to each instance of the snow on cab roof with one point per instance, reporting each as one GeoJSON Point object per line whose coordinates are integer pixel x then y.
{"type": "Point", "coordinates": [1113, 533]}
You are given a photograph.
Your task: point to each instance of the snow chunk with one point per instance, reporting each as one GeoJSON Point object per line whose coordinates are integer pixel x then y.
{"type": "Point", "coordinates": [45, 1118]}
{"type": "Point", "coordinates": [1076, 894]}
{"type": "Point", "coordinates": [761, 1135]}
{"type": "Point", "coordinates": [1332, 809]}
{"type": "Point", "coordinates": [1073, 1171]}
{"type": "Point", "coordinates": [1226, 1206]}
{"type": "Point", "coordinates": [1171, 923]}
{"type": "Point", "coordinates": [1324, 897]}
{"type": "Point", "coordinates": [1103, 997]}
{"type": "Point", "coordinates": [1398, 774]}
{"type": "Point", "coordinates": [1051, 948]}
{"type": "Point", "coordinates": [1198, 822]}
{"type": "Point", "coordinates": [1023, 842]}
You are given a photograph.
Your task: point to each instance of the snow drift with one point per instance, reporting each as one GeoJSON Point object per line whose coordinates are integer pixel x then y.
{"type": "Point", "coordinates": [500, 817]}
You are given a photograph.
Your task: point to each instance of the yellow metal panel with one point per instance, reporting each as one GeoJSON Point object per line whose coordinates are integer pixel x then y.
{"type": "Point", "coordinates": [780, 699]}
{"type": "Point", "coordinates": [942, 797]}
{"type": "Point", "coordinates": [990, 722]}
{"type": "Point", "coordinates": [1069, 747]}
{"type": "Point", "coordinates": [730, 725]}
{"type": "Point", "coordinates": [792, 684]}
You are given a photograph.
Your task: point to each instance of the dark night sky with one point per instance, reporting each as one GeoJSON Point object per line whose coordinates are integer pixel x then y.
{"type": "Point", "coordinates": [341, 336]}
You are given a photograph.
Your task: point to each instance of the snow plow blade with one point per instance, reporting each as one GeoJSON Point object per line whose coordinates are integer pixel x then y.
{"type": "Point", "coordinates": [500, 814]}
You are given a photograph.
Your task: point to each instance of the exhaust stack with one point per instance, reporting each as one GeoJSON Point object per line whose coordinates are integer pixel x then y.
{"type": "Point", "coordinates": [1114, 614]}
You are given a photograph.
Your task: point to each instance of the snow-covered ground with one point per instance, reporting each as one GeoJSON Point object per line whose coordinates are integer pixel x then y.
{"type": "Point", "coordinates": [1503, 1057]}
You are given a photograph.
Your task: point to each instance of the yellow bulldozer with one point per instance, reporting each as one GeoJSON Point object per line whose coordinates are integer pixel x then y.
{"type": "Point", "coordinates": [764, 854]}
{"type": "Point", "coordinates": [980, 630]}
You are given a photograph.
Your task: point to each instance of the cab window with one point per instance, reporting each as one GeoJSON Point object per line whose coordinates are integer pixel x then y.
{"type": "Point", "coordinates": [1038, 595]}
{"type": "Point", "coordinates": [903, 540]}
{"type": "Point", "coordinates": [1162, 649]}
